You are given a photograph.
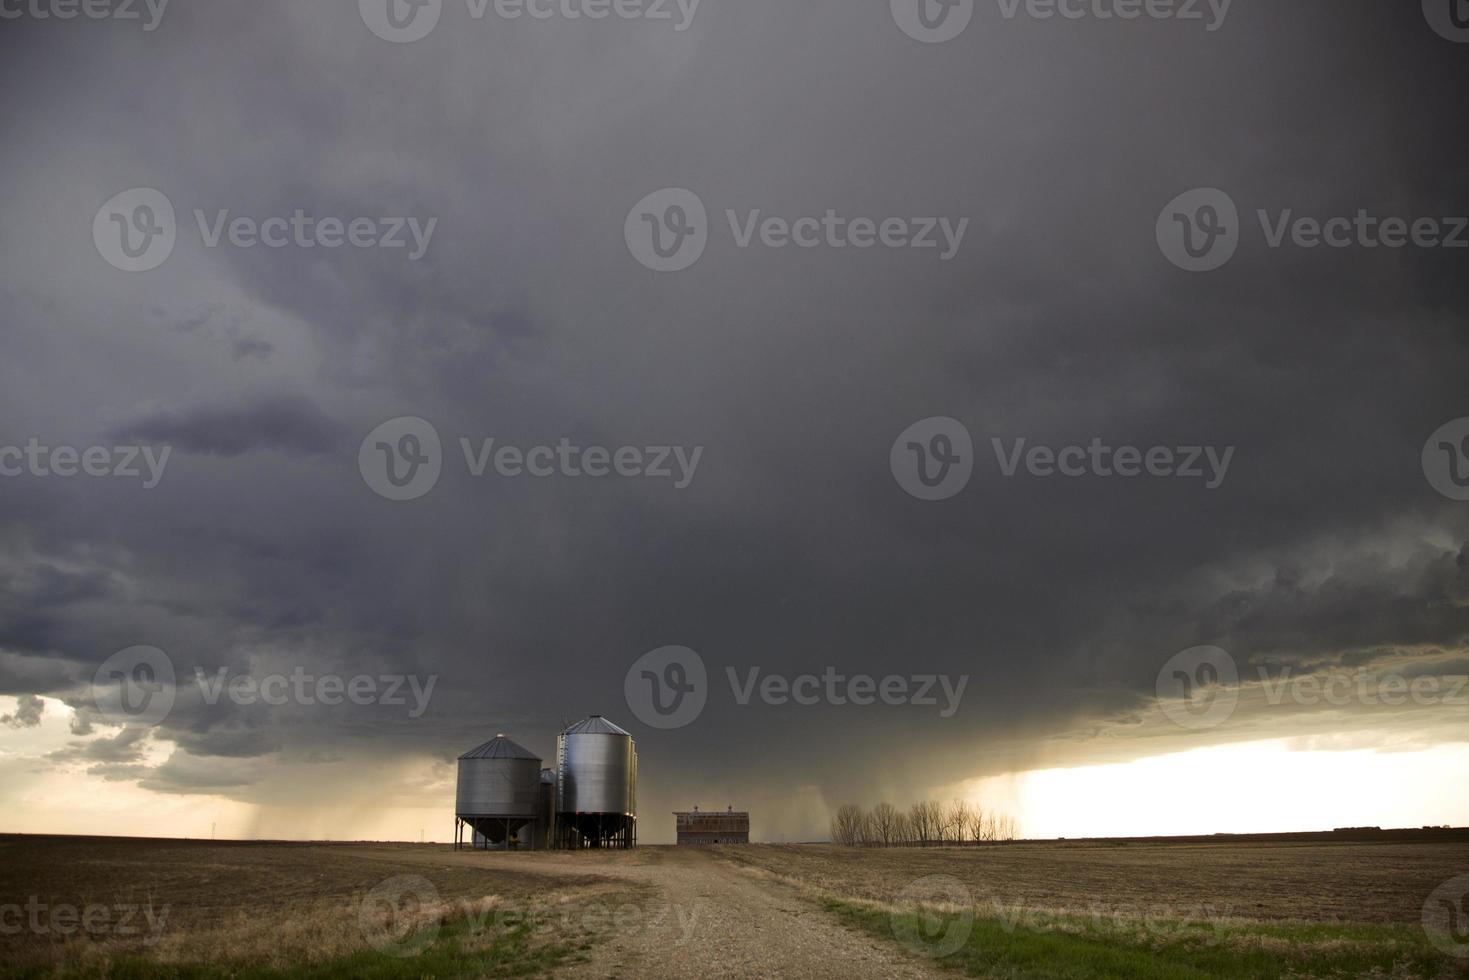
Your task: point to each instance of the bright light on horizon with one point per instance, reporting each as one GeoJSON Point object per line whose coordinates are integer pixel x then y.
{"type": "Point", "coordinates": [1254, 787]}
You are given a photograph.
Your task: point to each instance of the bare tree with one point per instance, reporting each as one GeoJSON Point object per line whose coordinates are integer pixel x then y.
{"type": "Point", "coordinates": [1007, 829]}
{"type": "Point", "coordinates": [918, 824]}
{"type": "Point", "coordinates": [924, 823]}
{"type": "Point", "coordinates": [884, 824]}
{"type": "Point", "coordinates": [927, 820]}
{"type": "Point", "coordinates": [956, 821]}
{"type": "Point", "coordinates": [939, 820]}
{"type": "Point", "coordinates": [846, 826]}
{"type": "Point", "coordinates": [902, 829]}
{"type": "Point", "coordinates": [973, 823]}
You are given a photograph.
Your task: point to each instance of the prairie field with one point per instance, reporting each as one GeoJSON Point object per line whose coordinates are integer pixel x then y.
{"type": "Point", "coordinates": [203, 908]}
{"type": "Point", "coordinates": [102, 907]}
{"type": "Point", "coordinates": [1271, 881]}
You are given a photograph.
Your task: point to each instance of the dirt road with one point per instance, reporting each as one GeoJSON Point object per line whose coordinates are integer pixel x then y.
{"type": "Point", "coordinates": [706, 917]}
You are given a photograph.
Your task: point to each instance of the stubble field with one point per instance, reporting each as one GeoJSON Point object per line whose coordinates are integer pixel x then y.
{"type": "Point", "coordinates": [118, 908]}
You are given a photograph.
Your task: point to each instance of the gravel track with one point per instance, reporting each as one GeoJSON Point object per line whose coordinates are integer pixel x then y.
{"type": "Point", "coordinates": [706, 917]}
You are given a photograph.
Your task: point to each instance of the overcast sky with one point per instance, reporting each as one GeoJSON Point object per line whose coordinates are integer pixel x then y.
{"type": "Point", "coordinates": [793, 547]}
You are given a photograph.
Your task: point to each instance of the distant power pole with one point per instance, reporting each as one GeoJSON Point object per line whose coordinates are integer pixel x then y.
{"type": "Point", "coordinates": [211, 831]}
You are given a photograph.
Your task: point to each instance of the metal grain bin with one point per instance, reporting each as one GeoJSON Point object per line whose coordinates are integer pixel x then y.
{"type": "Point", "coordinates": [596, 769]}
{"type": "Point", "coordinates": [499, 779]}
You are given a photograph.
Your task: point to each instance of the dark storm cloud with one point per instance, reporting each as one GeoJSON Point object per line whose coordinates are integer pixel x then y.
{"type": "Point", "coordinates": [182, 773]}
{"type": "Point", "coordinates": [126, 747]}
{"type": "Point", "coordinates": [28, 711]}
{"type": "Point", "coordinates": [35, 600]}
{"type": "Point", "coordinates": [289, 424]}
{"type": "Point", "coordinates": [253, 348]}
{"type": "Point", "coordinates": [528, 321]}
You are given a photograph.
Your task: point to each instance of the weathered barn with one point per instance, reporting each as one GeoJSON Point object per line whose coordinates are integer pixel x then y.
{"type": "Point", "coordinates": [698, 827]}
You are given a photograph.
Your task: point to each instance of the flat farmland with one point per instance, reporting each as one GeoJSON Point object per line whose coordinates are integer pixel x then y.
{"type": "Point", "coordinates": [198, 907]}
{"type": "Point", "coordinates": [1270, 881]}
{"type": "Point", "coordinates": [113, 908]}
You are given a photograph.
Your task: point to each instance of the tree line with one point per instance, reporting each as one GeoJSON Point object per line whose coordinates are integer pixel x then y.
{"type": "Point", "coordinates": [924, 824]}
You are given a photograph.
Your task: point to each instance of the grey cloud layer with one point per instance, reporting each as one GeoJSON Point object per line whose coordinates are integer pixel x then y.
{"type": "Point", "coordinates": [1058, 320]}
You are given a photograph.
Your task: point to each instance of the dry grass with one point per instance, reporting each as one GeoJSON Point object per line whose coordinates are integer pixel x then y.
{"type": "Point", "coordinates": [1242, 881]}
{"type": "Point", "coordinates": [1256, 909]}
{"type": "Point", "coordinates": [284, 906]}
{"type": "Point", "coordinates": [276, 905]}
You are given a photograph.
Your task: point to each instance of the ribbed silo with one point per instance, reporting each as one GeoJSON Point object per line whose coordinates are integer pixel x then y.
{"type": "Point", "coordinates": [499, 790]}
{"type": "Point", "coordinates": [596, 785]}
